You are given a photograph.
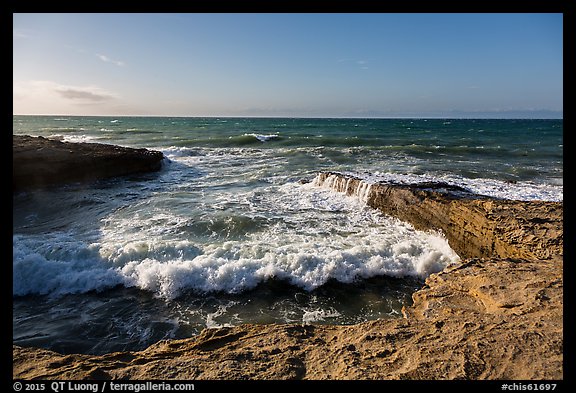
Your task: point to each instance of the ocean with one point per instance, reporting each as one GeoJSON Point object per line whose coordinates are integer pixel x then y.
{"type": "Point", "coordinates": [233, 229]}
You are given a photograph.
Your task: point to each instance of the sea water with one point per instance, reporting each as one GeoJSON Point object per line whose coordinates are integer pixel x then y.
{"type": "Point", "coordinates": [233, 229]}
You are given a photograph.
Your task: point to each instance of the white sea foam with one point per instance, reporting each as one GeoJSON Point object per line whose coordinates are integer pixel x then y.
{"type": "Point", "coordinates": [58, 265]}
{"type": "Point", "coordinates": [179, 151]}
{"type": "Point", "coordinates": [211, 317]}
{"type": "Point", "coordinates": [302, 260]}
{"type": "Point", "coordinates": [73, 138]}
{"type": "Point", "coordinates": [331, 237]}
{"type": "Point", "coordinates": [311, 316]}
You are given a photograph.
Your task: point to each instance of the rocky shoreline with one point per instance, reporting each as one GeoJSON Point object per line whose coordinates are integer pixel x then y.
{"type": "Point", "coordinates": [39, 162]}
{"type": "Point", "coordinates": [496, 315]}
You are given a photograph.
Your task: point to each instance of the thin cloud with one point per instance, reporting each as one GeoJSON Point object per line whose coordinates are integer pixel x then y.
{"type": "Point", "coordinates": [19, 33]}
{"type": "Point", "coordinates": [83, 95]}
{"type": "Point", "coordinates": [45, 97]}
{"type": "Point", "coordinates": [362, 64]}
{"type": "Point", "coordinates": [51, 91]}
{"type": "Point", "coordinates": [107, 59]}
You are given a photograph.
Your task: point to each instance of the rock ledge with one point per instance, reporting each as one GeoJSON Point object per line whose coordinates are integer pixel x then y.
{"type": "Point", "coordinates": [38, 162]}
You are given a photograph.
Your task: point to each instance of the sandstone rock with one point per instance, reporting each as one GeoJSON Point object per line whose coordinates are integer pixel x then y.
{"type": "Point", "coordinates": [38, 162]}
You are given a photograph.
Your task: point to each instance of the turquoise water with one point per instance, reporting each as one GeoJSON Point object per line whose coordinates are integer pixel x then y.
{"type": "Point", "coordinates": [514, 150]}
{"type": "Point", "coordinates": [233, 230]}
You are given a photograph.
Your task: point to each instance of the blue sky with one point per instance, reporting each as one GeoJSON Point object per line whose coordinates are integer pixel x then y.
{"type": "Point", "coordinates": [294, 65]}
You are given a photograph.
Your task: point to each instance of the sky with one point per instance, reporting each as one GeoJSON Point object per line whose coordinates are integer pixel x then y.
{"type": "Point", "coordinates": [289, 65]}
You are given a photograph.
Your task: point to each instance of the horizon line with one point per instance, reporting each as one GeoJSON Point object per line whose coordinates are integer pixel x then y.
{"type": "Point", "coordinates": [306, 117]}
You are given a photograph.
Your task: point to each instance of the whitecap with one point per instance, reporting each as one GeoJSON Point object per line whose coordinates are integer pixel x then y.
{"type": "Point", "coordinates": [263, 137]}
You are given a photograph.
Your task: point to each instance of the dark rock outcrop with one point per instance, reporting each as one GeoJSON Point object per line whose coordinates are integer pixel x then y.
{"type": "Point", "coordinates": [38, 162]}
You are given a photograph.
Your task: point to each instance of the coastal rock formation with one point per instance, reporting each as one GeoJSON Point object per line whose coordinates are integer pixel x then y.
{"type": "Point", "coordinates": [475, 225]}
{"type": "Point", "coordinates": [38, 162]}
{"type": "Point", "coordinates": [496, 315]}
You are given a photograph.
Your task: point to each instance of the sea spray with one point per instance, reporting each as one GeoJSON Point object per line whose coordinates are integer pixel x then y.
{"type": "Point", "coordinates": [348, 185]}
